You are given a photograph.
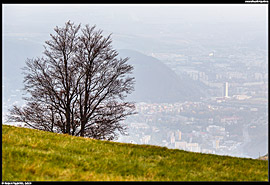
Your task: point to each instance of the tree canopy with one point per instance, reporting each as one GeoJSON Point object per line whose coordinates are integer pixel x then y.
{"type": "Point", "coordinates": [78, 86]}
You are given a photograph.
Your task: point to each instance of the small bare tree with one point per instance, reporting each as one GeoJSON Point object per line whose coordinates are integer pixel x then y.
{"type": "Point", "coordinates": [78, 87]}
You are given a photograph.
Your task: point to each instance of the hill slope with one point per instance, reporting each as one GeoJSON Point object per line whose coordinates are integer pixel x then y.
{"type": "Point", "coordinates": [32, 155]}
{"type": "Point", "coordinates": [157, 83]}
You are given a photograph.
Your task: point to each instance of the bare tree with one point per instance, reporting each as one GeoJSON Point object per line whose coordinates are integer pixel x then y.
{"type": "Point", "coordinates": [78, 87]}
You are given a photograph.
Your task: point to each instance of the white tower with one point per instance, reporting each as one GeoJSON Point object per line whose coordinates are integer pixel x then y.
{"type": "Point", "coordinates": [226, 89]}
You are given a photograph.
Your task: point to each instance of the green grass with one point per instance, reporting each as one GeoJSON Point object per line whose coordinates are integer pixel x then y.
{"type": "Point", "coordinates": [33, 155]}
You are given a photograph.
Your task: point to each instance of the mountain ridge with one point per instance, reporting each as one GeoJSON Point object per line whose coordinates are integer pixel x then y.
{"type": "Point", "coordinates": [157, 83]}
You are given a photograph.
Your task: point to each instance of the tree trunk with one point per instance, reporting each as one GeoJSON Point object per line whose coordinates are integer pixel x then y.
{"type": "Point", "coordinates": [83, 123]}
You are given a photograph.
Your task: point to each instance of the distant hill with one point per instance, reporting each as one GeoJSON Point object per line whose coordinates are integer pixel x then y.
{"type": "Point", "coordinates": [33, 155]}
{"type": "Point", "coordinates": [157, 83]}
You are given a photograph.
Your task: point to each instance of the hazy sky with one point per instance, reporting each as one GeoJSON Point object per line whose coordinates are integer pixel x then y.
{"type": "Point", "coordinates": [37, 19]}
{"type": "Point", "coordinates": [34, 22]}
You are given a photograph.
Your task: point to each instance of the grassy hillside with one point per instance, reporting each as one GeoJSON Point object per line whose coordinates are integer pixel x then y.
{"type": "Point", "coordinates": [32, 155]}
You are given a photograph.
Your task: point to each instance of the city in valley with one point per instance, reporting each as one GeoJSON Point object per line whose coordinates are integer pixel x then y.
{"type": "Point", "coordinates": [231, 120]}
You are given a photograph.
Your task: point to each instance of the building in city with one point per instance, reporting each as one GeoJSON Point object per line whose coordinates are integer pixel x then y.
{"type": "Point", "coordinates": [178, 135]}
{"type": "Point", "coordinates": [225, 90]}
